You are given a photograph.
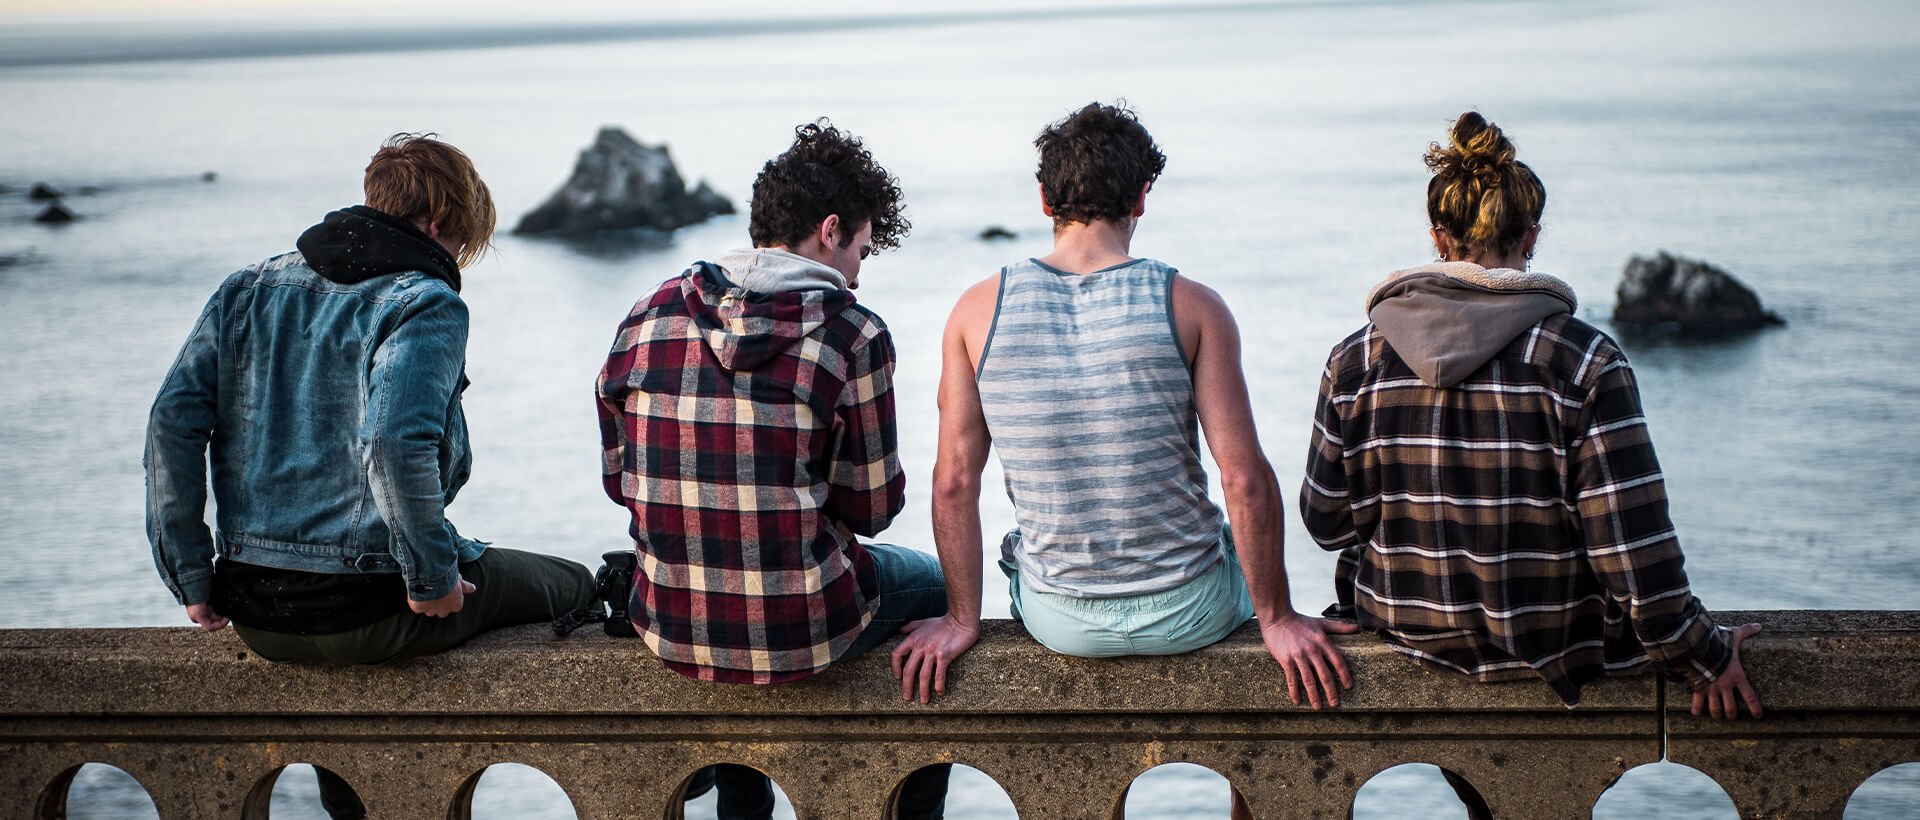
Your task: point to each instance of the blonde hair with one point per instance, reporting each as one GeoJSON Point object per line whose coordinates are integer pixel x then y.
{"type": "Point", "coordinates": [418, 178]}
{"type": "Point", "coordinates": [1480, 195]}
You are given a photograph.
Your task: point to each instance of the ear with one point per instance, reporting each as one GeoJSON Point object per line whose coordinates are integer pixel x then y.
{"type": "Point", "coordinates": [1140, 205]}
{"type": "Point", "coordinates": [1045, 207]}
{"type": "Point", "coordinates": [1441, 242]}
{"type": "Point", "coordinates": [1527, 242]}
{"type": "Point", "coordinates": [828, 233]}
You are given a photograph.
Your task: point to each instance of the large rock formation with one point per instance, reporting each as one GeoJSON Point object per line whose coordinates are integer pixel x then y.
{"type": "Point", "coordinates": [620, 184]}
{"type": "Point", "coordinates": [1689, 296]}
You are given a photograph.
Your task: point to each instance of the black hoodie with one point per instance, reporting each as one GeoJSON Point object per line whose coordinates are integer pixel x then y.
{"type": "Point", "coordinates": [359, 243]}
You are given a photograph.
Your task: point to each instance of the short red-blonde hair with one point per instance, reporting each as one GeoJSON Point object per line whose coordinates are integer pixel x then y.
{"type": "Point", "coordinates": [418, 178]}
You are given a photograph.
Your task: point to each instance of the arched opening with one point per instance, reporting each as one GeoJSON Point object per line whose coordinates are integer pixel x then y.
{"type": "Point", "coordinates": [1664, 789]}
{"type": "Point", "coordinates": [302, 791]}
{"type": "Point", "coordinates": [1893, 793]}
{"type": "Point", "coordinates": [512, 791]}
{"type": "Point", "coordinates": [95, 791]}
{"type": "Point", "coordinates": [1417, 790]}
{"type": "Point", "coordinates": [970, 793]}
{"type": "Point", "coordinates": [1187, 791]}
{"type": "Point", "coordinates": [746, 791]}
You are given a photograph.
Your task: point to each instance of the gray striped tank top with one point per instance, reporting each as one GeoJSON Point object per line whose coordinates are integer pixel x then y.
{"type": "Point", "coordinates": [1089, 400]}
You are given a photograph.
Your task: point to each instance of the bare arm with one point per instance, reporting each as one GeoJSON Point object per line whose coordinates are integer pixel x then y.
{"type": "Point", "coordinates": [1297, 642]}
{"type": "Point", "coordinates": [931, 645]}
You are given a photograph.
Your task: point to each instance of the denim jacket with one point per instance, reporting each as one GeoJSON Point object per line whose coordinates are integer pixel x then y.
{"type": "Point", "coordinates": [329, 412]}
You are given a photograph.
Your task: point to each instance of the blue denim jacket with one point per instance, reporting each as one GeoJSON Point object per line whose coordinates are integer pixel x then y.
{"type": "Point", "coordinates": [330, 415]}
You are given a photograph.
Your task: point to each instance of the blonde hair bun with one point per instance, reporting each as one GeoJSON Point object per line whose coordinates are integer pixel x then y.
{"type": "Point", "coordinates": [1481, 195]}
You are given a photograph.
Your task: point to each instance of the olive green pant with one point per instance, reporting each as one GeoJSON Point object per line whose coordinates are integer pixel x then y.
{"type": "Point", "coordinates": [510, 588]}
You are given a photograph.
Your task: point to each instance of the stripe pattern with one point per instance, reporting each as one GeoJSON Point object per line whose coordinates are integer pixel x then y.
{"type": "Point", "coordinates": [1089, 401]}
{"type": "Point", "coordinates": [747, 487]}
{"type": "Point", "coordinates": [1512, 526]}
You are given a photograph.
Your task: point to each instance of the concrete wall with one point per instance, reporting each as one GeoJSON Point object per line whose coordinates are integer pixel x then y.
{"type": "Point", "coordinates": [205, 726]}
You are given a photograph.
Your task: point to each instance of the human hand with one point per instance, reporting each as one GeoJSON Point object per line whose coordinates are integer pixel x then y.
{"type": "Point", "coordinates": [445, 605]}
{"type": "Point", "coordinates": [1310, 661]}
{"type": "Point", "coordinates": [204, 615]}
{"type": "Point", "coordinates": [1718, 696]}
{"type": "Point", "coordinates": [922, 658]}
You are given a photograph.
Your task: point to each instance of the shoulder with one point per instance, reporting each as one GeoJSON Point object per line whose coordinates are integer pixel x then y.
{"type": "Point", "coordinates": [1574, 349]}
{"type": "Point", "coordinates": [856, 328]}
{"type": "Point", "coordinates": [1352, 356]}
{"type": "Point", "coordinates": [1193, 301]}
{"type": "Point", "coordinates": [977, 303]}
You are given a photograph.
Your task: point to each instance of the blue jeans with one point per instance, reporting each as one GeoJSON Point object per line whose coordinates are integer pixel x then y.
{"type": "Point", "coordinates": [912, 587]}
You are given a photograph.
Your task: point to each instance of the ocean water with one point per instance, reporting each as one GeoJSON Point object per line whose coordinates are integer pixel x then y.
{"type": "Point", "coordinates": [1779, 140]}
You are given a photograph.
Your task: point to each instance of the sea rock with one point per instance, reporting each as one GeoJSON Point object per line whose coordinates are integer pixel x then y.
{"type": "Point", "coordinates": [56, 214]}
{"type": "Point", "coordinates": [1687, 295]}
{"type": "Point", "coordinates": [620, 184]}
{"type": "Point", "coordinates": [41, 192]}
{"type": "Point", "coordinates": [994, 232]}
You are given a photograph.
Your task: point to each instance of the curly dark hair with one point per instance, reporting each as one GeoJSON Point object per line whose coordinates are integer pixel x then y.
{"type": "Point", "coordinates": [1094, 162]}
{"type": "Point", "coordinates": [827, 171]}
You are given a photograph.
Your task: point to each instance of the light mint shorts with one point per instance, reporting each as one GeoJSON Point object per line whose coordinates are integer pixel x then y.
{"type": "Point", "coordinates": [1170, 622]}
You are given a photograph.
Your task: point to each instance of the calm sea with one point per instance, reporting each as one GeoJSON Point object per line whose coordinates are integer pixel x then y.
{"type": "Point", "coordinates": [1778, 139]}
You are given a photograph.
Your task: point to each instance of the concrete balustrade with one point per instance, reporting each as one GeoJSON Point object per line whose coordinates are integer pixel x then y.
{"type": "Point", "coordinates": [205, 726]}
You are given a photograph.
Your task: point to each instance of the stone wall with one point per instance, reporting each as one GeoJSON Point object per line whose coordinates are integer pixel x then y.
{"type": "Point", "coordinates": [205, 726]}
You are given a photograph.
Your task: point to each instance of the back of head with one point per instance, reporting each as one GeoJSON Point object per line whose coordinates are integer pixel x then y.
{"type": "Point", "coordinates": [1095, 163]}
{"type": "Point", "coordinates": [418, 178]}
{"type": "Point", "coordinates": [1480, 195]}
{"type": "Point", "coordinates": [827, 171]}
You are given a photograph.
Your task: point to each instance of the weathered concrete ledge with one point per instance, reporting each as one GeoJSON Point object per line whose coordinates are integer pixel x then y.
{"type": "Point", "coordinates": [205, 725]}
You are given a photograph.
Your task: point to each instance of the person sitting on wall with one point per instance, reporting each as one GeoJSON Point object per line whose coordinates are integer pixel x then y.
{"type": "Point", "coordinates": [1480, 460]}
{"type": "Point", "coordinates": [1092, 372]}
{"type": "Point", "coordinates": [747, 423]}
{"type": "Point", "coordinates": [324, 388]}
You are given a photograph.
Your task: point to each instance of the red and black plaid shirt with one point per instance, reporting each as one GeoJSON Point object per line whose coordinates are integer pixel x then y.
{"type": "Point", "coordinates": [752, 437]}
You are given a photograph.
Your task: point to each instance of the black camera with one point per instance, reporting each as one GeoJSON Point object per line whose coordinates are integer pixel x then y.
{"type": "Point", "coordinates": [614, 585]}
{"type": "Point", "coordinates": [612, 588]}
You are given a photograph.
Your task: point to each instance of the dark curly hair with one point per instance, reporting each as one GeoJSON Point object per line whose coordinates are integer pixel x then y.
{"type": "Point", "coordinates": [1094, 163]}
{"type": "Point", "coordinates": [827, 171]}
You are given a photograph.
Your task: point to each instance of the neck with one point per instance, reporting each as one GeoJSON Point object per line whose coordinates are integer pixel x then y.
{"type": "Point", "coordinates": [1084, 247]}
{"type": "Point", "coordinates": [1513, 261]}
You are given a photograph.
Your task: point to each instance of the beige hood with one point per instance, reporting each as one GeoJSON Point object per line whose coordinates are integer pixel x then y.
{"type": "Point", "coordinates": [1448, 318]}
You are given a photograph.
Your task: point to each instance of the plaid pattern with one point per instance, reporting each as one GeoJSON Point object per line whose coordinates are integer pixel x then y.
{"type": "Point", "coordinates": [1513, 525]}
{"type": "Point", "coordinates": [747, 483]}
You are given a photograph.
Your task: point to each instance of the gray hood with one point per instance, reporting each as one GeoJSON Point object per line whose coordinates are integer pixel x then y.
{"type": "Point", "coordinates": [772, 270]}
{"type": "Point", "coordinates": [1448, 318]}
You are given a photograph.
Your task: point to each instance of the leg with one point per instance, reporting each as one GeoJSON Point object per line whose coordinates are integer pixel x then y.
{"type": "Point", "coordinates": [1477, 808]}
{"type": "Point", "coordinates": [745, 793]}
{"type": "Point", "coordinates": [510, 588]}
{"type": "Point", "coordinates": [338, 798]}
{"type": "Point", "coordinates": [912, 587]}
{"type": "Point", "coordinates": [923, 795]}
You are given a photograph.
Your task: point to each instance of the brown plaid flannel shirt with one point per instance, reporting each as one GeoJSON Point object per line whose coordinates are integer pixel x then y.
{"type": "Point", "coordinates": [1510, 526]}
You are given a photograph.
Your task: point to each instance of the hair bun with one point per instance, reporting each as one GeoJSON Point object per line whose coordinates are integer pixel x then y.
{"type": "Point", "coordinates": [1478, 149]}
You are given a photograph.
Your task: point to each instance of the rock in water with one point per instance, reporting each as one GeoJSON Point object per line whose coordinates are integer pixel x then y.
{"type": "Point", "coordinates": [55, 214]}
{"type": "Point", "coordinates": [1691, 296]}
{"type": "Point", "coordinates": [994, 232]}
{"type": "Point", "coordinates": [41, 192]}
{"type": "Point", "coordinates": [619, 184]}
